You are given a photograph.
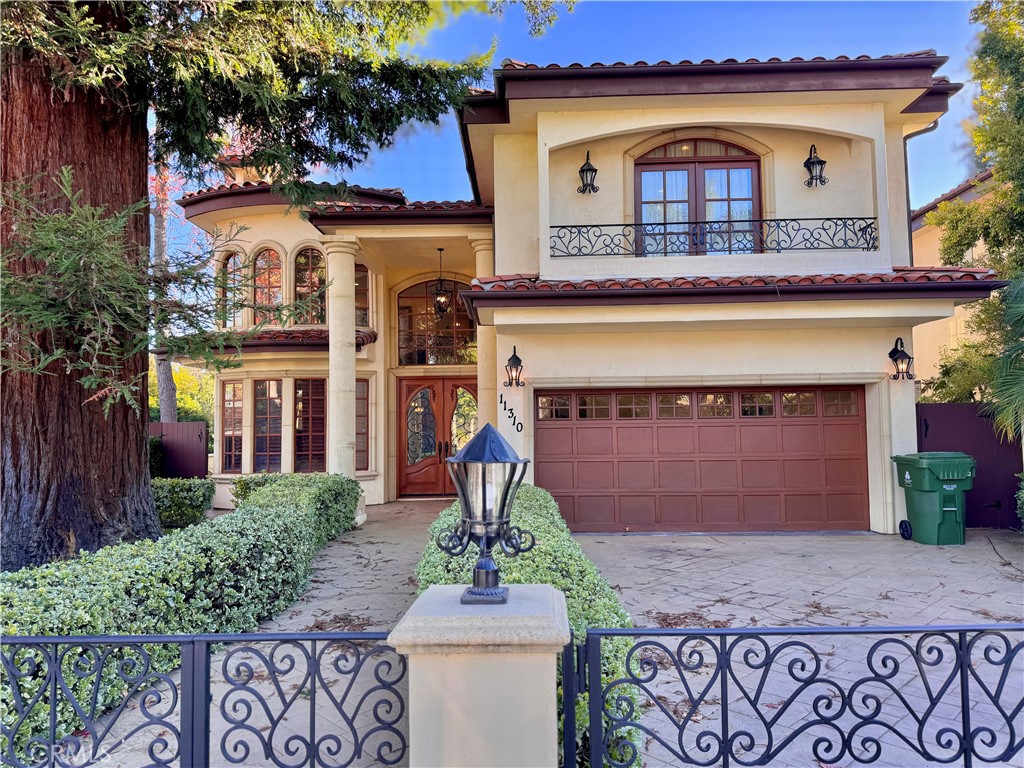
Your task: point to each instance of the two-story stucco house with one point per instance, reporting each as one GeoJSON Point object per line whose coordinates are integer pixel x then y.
{"type": "Point", "coordinates": [704, 335]}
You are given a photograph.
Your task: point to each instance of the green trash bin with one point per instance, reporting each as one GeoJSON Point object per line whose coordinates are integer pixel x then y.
{"type": "Point", "coordinates": [934, 484]}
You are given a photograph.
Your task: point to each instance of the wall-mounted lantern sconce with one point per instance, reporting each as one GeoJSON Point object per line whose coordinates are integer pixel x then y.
{"type": "Point", "coordinates": [487, 473]}
{"type": "Point", "coordinates": [901, 361]}
{"type": "Point", "coordinates": [443, 290]}
{"type": "Point", "coordinates": [514, 371]}
{"type": "Point", "coordinates": [815, 168]}
{"type": "Point", "coordinates": [588, 174]}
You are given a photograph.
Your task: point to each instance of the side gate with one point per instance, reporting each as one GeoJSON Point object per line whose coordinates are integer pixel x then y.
{"type": "Point", "coordinates": [902, 696]}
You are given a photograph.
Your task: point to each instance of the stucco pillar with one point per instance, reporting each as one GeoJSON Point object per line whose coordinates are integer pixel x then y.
{"type": "Point", "coordinates": [482, 677]}
{"type": "Point", "coordinates": [486, 342]}
{"type": "Point", "coordinates": [341, 377]}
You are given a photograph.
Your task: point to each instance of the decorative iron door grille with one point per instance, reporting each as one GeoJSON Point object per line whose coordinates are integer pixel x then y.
{"type": "Point", "coordinates": [834, 696]}
{"type": "Point", "coordinates": [331, 699]}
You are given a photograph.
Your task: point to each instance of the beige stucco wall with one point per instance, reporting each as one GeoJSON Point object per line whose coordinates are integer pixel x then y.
{"type": "Point", "coordinates": [721, 353]}
{"type": "Point", "coordinates": [865, 158]}
{"type": "Point", "coordinates": [931, 339]}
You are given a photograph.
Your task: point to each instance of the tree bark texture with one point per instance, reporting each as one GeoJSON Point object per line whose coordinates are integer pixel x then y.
{"type": "Point", "coordinates": [166, 389]}
{"type": "Point", "coordinates": [72, 479]}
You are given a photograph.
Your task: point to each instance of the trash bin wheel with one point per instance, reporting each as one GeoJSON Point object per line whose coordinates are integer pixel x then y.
{"type": "Point", "coordinates": [905, 530]}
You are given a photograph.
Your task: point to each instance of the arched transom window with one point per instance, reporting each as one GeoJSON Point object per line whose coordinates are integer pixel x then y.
{"type": "Point", "coordinates": [696, 196]}
{"type": "Point", "coordinates": [426, 339]}
{"type": "Point", "coordinates": [311, 286]}
{"type": "Point", "coordinates": [267, 294]}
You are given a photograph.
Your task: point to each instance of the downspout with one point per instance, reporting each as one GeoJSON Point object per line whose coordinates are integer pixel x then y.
{"type": "Point", "coordinates": [906, 175]}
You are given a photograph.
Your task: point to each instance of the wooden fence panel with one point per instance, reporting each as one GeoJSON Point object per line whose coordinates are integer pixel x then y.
{"type": "Point", "coordinates": [965, 427]}
{"type": "Point", "coordinates": [184, 447]}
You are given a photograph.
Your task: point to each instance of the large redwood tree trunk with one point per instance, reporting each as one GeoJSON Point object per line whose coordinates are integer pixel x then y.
{"type": "Point", "coordinates": [72, 479]}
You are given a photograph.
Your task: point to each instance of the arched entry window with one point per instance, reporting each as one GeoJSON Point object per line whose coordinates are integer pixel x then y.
{"type": "Point", "coordinates": [426, 339]}
{"type": "Point", "coordinates": [696, 196]}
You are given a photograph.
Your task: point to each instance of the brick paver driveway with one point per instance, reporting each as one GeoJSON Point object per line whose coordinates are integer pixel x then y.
{"type": "Point", "coordinates": [812, 579]}
{"type": "Point", "coordinates": [820, 580]}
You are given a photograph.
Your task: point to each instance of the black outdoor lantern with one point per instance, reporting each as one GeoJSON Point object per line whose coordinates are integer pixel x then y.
{"type": "Point", "coordinates": [514, 371]}
{"type": "Point", "coordinates": [815, 168]}
{"type": "Point", "coordinates": [901, 361]}
{"type": "Point", "coordinates": [588, 173]}
{"type": "Point", "coordinates": [487, 473]}
{"type": "Point", "coordinates": [443, 291]}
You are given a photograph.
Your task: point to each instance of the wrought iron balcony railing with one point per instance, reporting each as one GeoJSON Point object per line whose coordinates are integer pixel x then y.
{"type": "Point", "coordinates": [714, 238]}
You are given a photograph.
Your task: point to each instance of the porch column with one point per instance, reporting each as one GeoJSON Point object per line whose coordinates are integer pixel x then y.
{"type": "Point", "coordinates": [341, 377]}
{"type": "Point", "coordinates": [486, 342]}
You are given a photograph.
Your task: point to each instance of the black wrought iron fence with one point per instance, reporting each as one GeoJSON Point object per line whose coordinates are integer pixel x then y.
{"type": "Point", "coordinates": [300, 699]}
{"type": "Point", "coordinates": [704, 238]}
{"type": "Point", "coordinates": [899, 696]}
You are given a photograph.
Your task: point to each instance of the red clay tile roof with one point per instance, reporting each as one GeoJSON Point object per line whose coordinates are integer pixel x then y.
{"type": "Point", "coordinates": [383, 192]}
{"type": "Point", "coordinates": [955, 192]}
{"type": "Point", "coordinates": [428, 205]}
{"type": "Point", "coordinates": [512, 64]}
{"type": "Point", "coordinates": [314, 338]}
{"type": "Point", "coordinates": [527, 282]}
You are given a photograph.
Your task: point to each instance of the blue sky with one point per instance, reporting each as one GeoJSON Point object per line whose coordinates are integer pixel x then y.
{"type": "Point", "coordinates": [427, 161]}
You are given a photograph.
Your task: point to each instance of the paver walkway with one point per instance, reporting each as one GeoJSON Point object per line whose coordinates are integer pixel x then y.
{"type": "Point", "coordinates": [365, 580]}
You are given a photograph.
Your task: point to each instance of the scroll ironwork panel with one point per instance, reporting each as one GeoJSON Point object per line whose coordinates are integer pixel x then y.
{"type": "Point", "coordinates": [714, 238]}
{"type": "Point", "coordinates": [841, 696]}
{"type": "Point", "coordinates": [310, 699]}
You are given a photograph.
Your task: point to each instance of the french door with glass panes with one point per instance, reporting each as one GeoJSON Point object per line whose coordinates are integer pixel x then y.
{"type": "Point", "coordinates": [436, 418]}
{"type": "Point", "coordinates": [698, 208]}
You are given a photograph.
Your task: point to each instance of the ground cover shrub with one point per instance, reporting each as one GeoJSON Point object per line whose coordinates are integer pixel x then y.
{"type": "Point", "coordinates": [223, 575]}
{"type": "Point", "coordinates": [243, 485]}
{"type": "Point", "coordinates": [181, 502]}
{"type": "Point", "coordinates": [556, 560]}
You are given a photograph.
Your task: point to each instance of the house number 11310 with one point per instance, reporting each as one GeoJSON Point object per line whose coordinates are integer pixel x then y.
{"type": "Point", "coordinates": [510, 412]}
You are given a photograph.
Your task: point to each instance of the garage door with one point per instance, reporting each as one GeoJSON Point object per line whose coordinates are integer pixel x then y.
{"type": "Point", "coordinates": [792, 458]}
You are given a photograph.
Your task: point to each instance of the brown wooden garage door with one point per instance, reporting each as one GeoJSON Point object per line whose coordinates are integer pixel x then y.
{"type": "Point", "coordinates": [676, 459]}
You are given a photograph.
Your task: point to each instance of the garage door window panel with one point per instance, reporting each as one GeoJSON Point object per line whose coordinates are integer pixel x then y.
{"type": "Point", "coordinates": [593, 407]}
{"type": "Point", "coordinates": [799, 404]}
{"type": "Point", "coordinates": [633, 406]}
{"type": "Point", "coordinates": [714, 405]}
{"type": "Point", "coordinates": [674, 406]}
{"type": "Point", "coordinates": [840, 403]}
{"type": "Point", "coordinates": [556, 407]}
{"type": "Point", "coordinates": [757, 404]}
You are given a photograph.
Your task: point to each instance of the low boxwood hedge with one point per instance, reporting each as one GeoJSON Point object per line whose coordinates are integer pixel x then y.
{"type": "Point", "coordinates": [556, 560]}
{"type": "Point", "coordinates": [181, 502]}
{"type": "Point", "coordinates": [223, 575]}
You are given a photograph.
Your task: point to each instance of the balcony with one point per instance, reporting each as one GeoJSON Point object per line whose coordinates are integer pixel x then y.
{"type": "Point", "coordinates": [714, 238]}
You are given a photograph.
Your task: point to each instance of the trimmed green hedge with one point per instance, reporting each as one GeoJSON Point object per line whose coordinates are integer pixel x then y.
{"type": "Point", "coordinates": [223, 575]}
{"type": "Point", "coordinates": [244, 485]}
{"type": "Point", "coordinates": [156, 457]}
{"type": "Point", "coordinates": [557, 560]}
{"type": "Point", "coordinates": [181, 502]}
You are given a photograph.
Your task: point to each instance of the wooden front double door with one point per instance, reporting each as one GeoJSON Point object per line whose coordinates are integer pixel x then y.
{"type": "Point", "coordinates": [436, 417]}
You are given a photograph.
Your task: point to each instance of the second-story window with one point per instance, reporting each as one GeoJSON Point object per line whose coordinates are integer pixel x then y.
{"type": "Point", "coordinates": [231, 290]}
{"type": "Point", "coordinates": [362, 297]}
{"type": "Point", "coordinates": [311, 286]}
{"type": "Point", "coordinates": [267, 293]}
{"type": "Point", "coordinates": [697, 196]}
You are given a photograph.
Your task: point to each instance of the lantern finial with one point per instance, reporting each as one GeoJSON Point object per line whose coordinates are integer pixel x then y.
{"type": "Point", "coordinates": [487, 473]}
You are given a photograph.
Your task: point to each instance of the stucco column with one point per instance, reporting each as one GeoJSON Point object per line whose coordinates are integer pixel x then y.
{"type": "Point", "coordinates": [482, 677]}
{"type": "Point", "coordinates": [486, 342]}
{"type": "Point", "coordinates": [341, 377]}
